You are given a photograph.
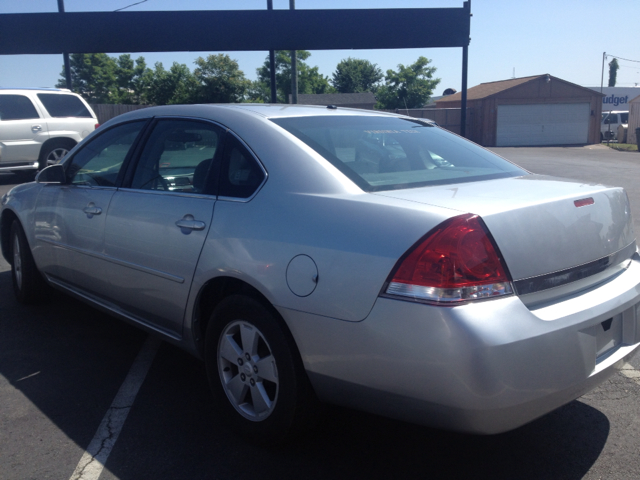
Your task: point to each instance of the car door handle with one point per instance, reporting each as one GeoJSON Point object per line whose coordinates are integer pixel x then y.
{"type": "Point", "coordinates": [91, 209]}
{"type": "Point", "coordinates": [36, 128]}
{"type": "Point", "coordinates": [190, 223]}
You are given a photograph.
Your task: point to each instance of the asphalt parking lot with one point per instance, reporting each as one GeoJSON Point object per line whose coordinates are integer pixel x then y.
{"type": "Point", "coordinates": [62, 364]}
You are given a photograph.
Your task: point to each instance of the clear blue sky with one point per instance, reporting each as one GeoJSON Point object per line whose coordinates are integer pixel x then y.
{"type": "Point", "coordinates": [565, 38]}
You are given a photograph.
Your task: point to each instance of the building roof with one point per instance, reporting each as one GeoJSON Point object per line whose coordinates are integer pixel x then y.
{"type": "Point", "coordinates": [335, 98]}
{"type": "Point", "coordinates": [485, 90]}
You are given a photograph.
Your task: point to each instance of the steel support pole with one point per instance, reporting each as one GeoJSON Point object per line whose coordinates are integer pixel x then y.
{"type": "Point", "coordinates": [294, 66]}
{"type": "Point", "coordinates": [65, 56]}
{"type": "Point", "coordinates": [465, 62]}
{"type": "Point", "coordinates": [272, 65]}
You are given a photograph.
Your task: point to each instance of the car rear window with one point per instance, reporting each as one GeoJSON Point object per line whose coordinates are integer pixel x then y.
{"type": "Point", "coordinates": [60, 105]}
{"type": "Point", "coordinates": [388, 153]}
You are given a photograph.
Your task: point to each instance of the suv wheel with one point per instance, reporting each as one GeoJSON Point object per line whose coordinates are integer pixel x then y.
{"type": "Point", "coordinates": [53, 152]}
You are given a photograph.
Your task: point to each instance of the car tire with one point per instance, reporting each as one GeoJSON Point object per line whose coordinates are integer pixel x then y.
{"type": "Point", "coordinates": [28, 285]}
{"type": "Point", "coordinates": [255, 372]}
{"type": "Point", "coordinates": [53, 152]}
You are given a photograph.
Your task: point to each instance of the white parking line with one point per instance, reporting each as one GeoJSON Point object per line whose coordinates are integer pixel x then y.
{"type": "Point", "coordinates": [92, 462]}
{"type": "Point", "coordinates": [630, 372]}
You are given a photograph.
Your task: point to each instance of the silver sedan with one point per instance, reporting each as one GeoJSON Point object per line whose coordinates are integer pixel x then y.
{"type": "Point", "coordinates": [324, 254]}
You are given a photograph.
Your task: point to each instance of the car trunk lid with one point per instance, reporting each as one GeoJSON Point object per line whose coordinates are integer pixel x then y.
{"type": "Point", "coordinates": [542, 225]}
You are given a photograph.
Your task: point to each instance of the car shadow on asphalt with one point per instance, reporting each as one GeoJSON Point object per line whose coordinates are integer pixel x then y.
{"type": "Point", "coordinates": [172, 431]}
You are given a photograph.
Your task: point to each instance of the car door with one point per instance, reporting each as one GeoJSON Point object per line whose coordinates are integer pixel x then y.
{"type": "Point", "coordinates": [22, 131]}
{"type": "Point", "coordinates": [156, 227]}
{"type": "Point", "coordinates": [70, 218]}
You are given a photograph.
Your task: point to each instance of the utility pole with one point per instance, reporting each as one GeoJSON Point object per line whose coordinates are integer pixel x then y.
{"type": "Point", "coordinates": [604, 56]}
{"type": "Point", "coordinates": [272, 65]}
{"type": "Point", "coordinates": [294, 66]}
{"type": "Point", "coordinates": [67, 65]}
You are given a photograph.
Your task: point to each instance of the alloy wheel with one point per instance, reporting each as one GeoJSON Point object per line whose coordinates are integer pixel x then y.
{"type": "Point", "coordinates": [248, 370]}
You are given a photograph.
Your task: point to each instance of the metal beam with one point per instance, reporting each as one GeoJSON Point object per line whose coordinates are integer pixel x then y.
{"type": "Point", "coordinates": [235, 30]}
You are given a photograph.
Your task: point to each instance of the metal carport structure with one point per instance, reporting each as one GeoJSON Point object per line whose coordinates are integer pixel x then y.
{"type": "Point", "coordinates": [238, 30]}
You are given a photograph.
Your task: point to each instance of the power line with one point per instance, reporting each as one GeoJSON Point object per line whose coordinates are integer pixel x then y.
{"type": "Point", "coordinates": [625, 59]}
{"type": "Point", "coordinates": [137, 3]}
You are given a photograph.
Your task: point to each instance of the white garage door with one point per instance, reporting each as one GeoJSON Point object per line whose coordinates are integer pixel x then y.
{"type": "Point", "coordinates": [543, 124]}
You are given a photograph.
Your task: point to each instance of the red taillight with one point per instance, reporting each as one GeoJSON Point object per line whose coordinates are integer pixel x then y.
{"type": "Point", "coordinates": [583, 202]}
{"type": "Point", "coordinates": [456, 262]}
{"type": "Point", "coordinates": [97, 125]}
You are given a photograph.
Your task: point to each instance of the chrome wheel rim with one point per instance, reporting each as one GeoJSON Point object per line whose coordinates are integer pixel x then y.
{"type": "Point", "coordinates": [56, 155]}
{"type": "Point", "coordinates": [248, 370]}
{"type": "Point", "coordinates": [17, 262]}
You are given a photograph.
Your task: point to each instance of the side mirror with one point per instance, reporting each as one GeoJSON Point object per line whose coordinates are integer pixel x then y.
{"type": "Point", "coordinates": [53, 174]}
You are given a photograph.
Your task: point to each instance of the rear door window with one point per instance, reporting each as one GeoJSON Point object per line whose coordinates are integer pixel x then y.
{"type": "Point", "coordinates": [179, 157]}
{"type": "Point", "coordinates": [16, 107]}
{"type": "Point", "coordinates": [60, 105]}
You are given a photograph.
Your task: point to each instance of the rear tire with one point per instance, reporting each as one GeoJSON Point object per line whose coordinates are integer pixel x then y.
{"type": "Point", "coordinates": [255, 373]}
{"type": "Point", "coordinates": [28, 285]}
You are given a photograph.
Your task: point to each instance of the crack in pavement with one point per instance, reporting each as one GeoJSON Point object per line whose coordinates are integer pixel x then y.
{"type": "Point", "coordinates": [630, 372]}
{"type": "Point", "coordinates": [95, 457]}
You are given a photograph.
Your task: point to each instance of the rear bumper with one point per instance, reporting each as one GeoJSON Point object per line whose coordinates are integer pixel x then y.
{"type": "Point", "coordinates": [484, 367]}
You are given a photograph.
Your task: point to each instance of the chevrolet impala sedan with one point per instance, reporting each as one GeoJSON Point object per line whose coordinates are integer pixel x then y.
{"type": "Point", "coordinates": [364, 259]}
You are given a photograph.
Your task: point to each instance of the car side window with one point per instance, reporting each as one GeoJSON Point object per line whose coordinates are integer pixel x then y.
{"type": "Point", "coordinates": [241, 175]}
{"type": "Point", "coordinates": [179, 157]}
{"type": "Point", "coordinates": [99, 161]}
{"type": "Point", "coordinates": [16, 107]}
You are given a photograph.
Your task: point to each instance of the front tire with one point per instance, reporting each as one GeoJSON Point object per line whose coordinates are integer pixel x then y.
{"type": "Point", "coordinates": [28, 285]}
{"type": "Point", "coordinates": [255, 373]}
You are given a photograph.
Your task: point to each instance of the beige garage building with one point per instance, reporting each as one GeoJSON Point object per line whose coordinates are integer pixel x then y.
{"type": "Point", "coordinates": [529, 111]}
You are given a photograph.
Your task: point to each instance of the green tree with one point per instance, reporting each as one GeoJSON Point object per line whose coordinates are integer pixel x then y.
{"type": "Point", "coordinates": [173, 86]}
{"type": "Point", "coordinates": [220, 80]}
{"type": "Point", "coordinates": [310, 80]}
{"type": "Point", "coordinates": [93, 75]}
{"type": "Point", "coordinates": [613, 72]}
{"type": "Point", "coordinates": [409, 87]}
{"type": "Point", "coordinates": [354, 76]}
{"type": "Point", "coordinates": [133, 80]}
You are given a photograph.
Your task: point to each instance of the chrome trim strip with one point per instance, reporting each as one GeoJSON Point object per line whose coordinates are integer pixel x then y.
{"type": "Point", "coordinates": [110, 308]}
{"type": "Point", "coordinates": [173, 193]}
{"type": "Point", "coordinates": [107, 258]}
{"type": "Point", "coordinates": [569, 275]}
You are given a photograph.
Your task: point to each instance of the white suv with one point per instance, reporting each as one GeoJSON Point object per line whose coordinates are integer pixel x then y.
{"type": "Point", "coordinates": [38, 126]}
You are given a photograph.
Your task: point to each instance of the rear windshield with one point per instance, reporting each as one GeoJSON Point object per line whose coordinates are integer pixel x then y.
{"type": "Point", "coordinates": [379, 153]}
{"type": "Point", "coordinates": [60, 105]}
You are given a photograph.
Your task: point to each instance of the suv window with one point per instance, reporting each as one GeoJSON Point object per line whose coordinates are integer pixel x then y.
{"type": "Point", "coordinates": [624, 117]}
{"type": "Point", "coordinates": [16, 107]}
{"type": "Point", "coordinates": [60, 105]}
{"type": "Point", "coordinates": [388, 153]}
{"type": "Point", "coordinates": [178, 157]}
{"type": "Point", "coordinates": [98, 162]}
{"type": "Point", "coordinates": [609, 118]}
